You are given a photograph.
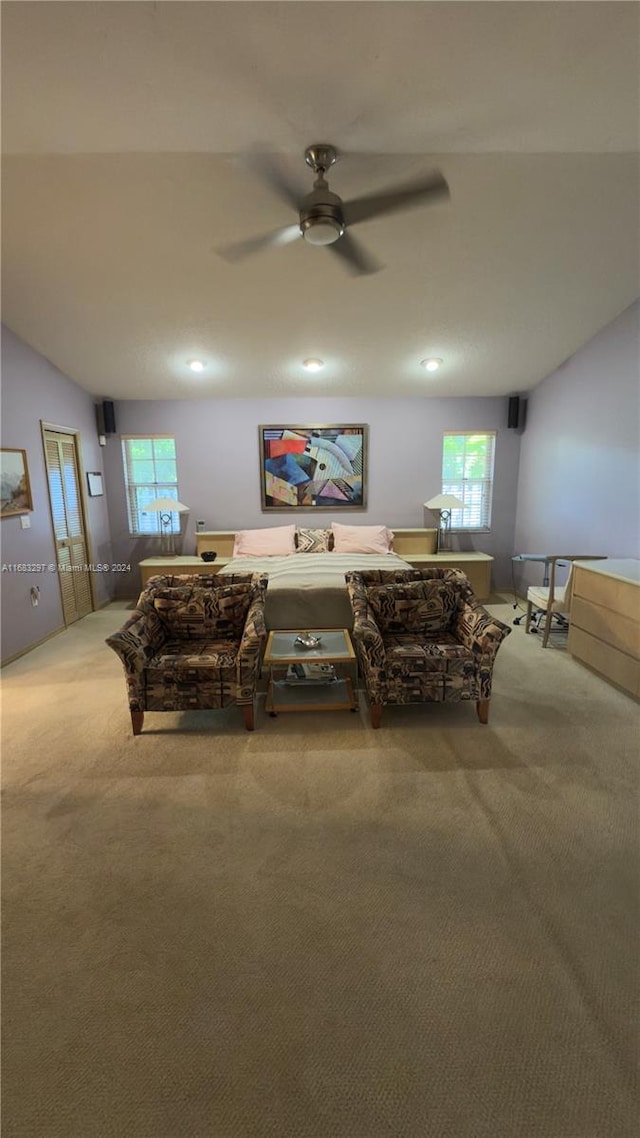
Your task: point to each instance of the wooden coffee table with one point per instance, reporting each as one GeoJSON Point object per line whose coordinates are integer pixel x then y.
{"type": "Point", "coordinates": [323, 687]}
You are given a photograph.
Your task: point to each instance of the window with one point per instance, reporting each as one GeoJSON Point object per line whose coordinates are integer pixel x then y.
{"type": "Point", "coordinates": [467, 472]}
{"type": "Point", "coordinates": [150, 472]}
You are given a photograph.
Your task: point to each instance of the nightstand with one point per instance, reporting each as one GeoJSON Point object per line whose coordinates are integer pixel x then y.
{"type": "Point", "coordinates": [160, 566]}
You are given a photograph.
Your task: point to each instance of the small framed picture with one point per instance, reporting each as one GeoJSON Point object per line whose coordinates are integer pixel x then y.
{"type": "Point", "coordinates": [15, 491]}
{"type": "Point", "coordinates": [94, 481]}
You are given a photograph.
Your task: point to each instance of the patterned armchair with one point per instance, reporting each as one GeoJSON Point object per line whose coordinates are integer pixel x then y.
{"type": "Point", "coordinates": [421, 635]}
{"type": "Point", "coordinates": [194, 643]}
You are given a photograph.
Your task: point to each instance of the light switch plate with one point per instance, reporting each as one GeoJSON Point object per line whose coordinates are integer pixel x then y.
{"type": "Point", "coordinates": [25, 521]}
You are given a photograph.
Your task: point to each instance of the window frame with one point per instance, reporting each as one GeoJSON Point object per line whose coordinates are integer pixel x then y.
{"type": "Point", "coordinates": [161, 488]}
{"type": "Point", "coordinates": [457, 487]}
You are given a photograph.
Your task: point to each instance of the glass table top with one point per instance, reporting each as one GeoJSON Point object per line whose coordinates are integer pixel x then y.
{"type": "Point", "coordinates": [335, 644]}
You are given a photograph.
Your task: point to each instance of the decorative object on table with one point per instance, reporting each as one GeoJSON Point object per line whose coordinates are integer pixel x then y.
{"type": "Point", "coordinates": [15, 491]}
{"type": "Point", "coordinates": [313, 468]}
{"type": "Point", "coordinates": [311, 674]}
{"type": "Point", "coordinates": [209, 555]}
{"type": "Point", "coordinates": [166, 508]}
{"type": "Point", "coordinates": [444, 504]}
{"type": "Point", "coordinates": [94, 483]}
{"type": "Point", "coordinates": [307, 640]}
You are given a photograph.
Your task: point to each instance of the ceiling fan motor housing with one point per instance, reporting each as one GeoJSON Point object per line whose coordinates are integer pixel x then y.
{"type": "Point", "coordinates": [321, 218]}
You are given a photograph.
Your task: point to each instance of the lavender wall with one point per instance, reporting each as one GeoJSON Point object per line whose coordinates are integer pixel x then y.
{"type": "Point", "coordinates": [218, 462]}
{"type": "Point", "coordinates": [575, 471]}
{"type": "Point", "coordinates": [579, 482]}
{"type": "Point", "coordinates": [32, 389]}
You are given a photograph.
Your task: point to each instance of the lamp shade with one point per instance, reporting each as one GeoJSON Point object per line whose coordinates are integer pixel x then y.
{"type": "Point", "coordinates": [444, 502]}
{"type": "Point", "coordinates": [166, 506]}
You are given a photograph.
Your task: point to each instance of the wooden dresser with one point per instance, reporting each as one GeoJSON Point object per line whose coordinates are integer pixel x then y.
{"type": "Point", "coordinates": [417, 546]}
{"type": "Point", "coordinates": [604, 629]}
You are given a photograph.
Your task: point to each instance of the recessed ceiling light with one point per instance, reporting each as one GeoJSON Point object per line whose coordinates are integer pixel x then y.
{"type": "Point", "coordinates": [313, 365]}
{"type": "Point", "coordinates": [196, 365]}
{"type": "Point", "coordinates": [430, 364]}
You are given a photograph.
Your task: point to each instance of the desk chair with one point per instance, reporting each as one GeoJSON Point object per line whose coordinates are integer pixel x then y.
{"type": "Point", "coordinates": [554, 600]}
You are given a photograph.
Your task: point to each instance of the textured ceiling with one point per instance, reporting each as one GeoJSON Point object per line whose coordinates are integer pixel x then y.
{"type": "Point", "coordinates": [124, 128]}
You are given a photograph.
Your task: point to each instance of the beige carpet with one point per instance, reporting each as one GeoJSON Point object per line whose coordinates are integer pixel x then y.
{"type": "Point", "coordinates": [318, 930]}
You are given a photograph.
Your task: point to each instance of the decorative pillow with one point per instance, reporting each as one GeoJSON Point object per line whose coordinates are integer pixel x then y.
{"type": "Point", "coordinates": [313, 540]}
{"type": "Point", "coordinates": [361, 539]}
{"type": "Point", "coordinates": [276, 541]}
{"type": "Point", "coordinates": [416, 606]}
{"type": "Point", "coordinates": [192, 613]}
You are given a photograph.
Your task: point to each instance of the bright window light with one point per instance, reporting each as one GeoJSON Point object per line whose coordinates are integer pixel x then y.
{"type": "Point", "coordinates": [467, 473]}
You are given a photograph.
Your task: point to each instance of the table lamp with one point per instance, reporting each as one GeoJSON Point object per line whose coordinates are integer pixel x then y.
{"type": "Point", "coordinates": [444, 504]}
{"type": "Point", "coordinates": [166, 508]}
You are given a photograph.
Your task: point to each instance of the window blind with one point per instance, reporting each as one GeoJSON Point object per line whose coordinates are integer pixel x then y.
{"type": "Point", "coordinates": [467, 472]}
{"type": "Point", "coordinates": [150, 472]}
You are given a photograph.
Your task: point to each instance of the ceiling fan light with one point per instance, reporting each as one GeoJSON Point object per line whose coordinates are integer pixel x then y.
{"type": "Point", "coordinates": [321, 230]}
{"type": "Point", "coordinates": [430, 364]}
{"type": "Point", "coordinates": [313, 365]}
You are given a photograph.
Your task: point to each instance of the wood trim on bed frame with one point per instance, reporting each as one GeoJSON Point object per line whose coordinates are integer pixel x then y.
{"type": "Point", "coordinates": [404, 541]}
{"type": "Point", "coordinates": [417, 546]}
{"type": "Point", "coordinates": [218, 539]}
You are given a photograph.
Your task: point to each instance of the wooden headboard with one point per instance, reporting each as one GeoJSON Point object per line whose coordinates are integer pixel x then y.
{"type": "Point", "coordinates": [405, 541]}
{"type": "Point", "coordinates": [218, 539]}
{"type": "Point", "coordinates": [414, 541]}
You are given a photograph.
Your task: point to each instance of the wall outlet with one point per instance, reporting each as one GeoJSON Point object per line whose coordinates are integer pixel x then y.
{"type": "Point", "coordinates": [200, 526]}
{"type": "Point", "coordinates": [25, 521]}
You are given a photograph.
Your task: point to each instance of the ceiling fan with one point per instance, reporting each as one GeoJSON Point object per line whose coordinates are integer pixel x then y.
{"type": "Point", "coordinates": [323, 218]}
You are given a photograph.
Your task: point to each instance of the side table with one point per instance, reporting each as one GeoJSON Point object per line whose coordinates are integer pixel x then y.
{"type": "Point", "coordinates": [322, 687]}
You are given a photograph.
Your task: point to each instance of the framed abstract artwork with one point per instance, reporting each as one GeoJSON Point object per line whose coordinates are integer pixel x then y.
{"type": "Point", "coordinates": [15, 491]}
{"type": "Point", "coordinates": [313, 468]}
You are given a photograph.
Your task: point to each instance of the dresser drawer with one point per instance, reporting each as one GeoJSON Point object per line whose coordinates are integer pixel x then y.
{"type": "Point", "coordinates": [615, 665]}
{"type": "Point", "coordinates": [621, 596]}
{"type": "Point", "coordinates": [615, 628]}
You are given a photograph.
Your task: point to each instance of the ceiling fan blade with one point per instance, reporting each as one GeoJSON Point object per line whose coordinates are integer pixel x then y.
{"type": "Point", "coordinates": [238, 250]}
{"type": "Point", "coordinates": [272, 171]}
{"type": "Point", "coordinates": [406, 196]}
{"type": "Point", "coordinates": [355, 257]}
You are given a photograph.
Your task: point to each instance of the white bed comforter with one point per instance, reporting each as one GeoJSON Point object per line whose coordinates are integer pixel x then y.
{"type": "Point", "coordinates": [308, 590]}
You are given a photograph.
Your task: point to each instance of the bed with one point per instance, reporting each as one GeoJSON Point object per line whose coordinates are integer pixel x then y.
{"type": "Point", "coordinates": [308, 590]}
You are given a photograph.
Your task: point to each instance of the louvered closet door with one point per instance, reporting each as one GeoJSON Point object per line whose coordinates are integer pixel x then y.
{"type": "Point", "coordinates": [66, 509]}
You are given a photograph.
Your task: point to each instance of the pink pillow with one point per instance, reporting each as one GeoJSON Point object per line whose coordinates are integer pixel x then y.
{"type": "Point", "coordinates": [361, 539]}
{"type": "Point", "coordinates": [276, 541]}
